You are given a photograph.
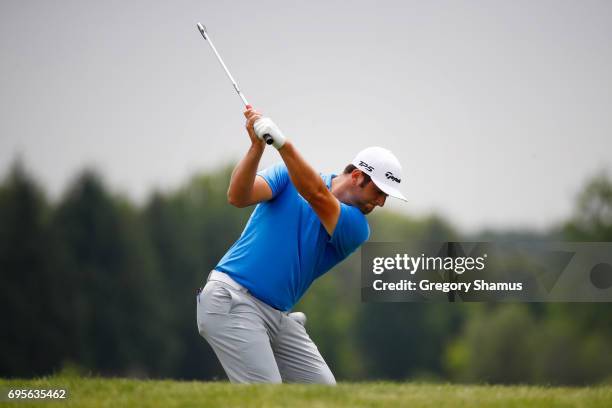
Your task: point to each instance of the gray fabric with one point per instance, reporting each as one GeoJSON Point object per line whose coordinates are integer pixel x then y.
{"type": "Point", "coordinates": [256, 343]}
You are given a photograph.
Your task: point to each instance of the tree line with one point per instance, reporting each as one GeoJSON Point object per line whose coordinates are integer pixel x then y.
{"type": "Point", "coordinates": [94, 283]}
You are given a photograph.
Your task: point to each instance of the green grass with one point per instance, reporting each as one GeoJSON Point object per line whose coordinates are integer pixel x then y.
{"type": "Point", "coordinates": [98, 392]}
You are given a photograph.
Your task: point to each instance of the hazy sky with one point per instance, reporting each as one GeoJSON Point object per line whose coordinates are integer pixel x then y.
{"type": "Point", "coordinates": [499, 111]}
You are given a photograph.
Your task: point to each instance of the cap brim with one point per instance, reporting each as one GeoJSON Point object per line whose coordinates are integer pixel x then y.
{"type": "Point", "coordinates": [390, 190]}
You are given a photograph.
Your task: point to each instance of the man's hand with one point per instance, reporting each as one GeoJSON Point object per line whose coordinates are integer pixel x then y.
{"type": "Point", "coordinates": [252, 116]}
{"type": "Point", "coordinates": [265, 126]}
{"type": "Point", "coordinates": [258, 126]}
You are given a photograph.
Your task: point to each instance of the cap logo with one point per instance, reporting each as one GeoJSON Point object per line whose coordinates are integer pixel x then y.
{"type": "Point", "coordinates": [366, 166]}
{"type": "Point", "coordinates": [390, 176]}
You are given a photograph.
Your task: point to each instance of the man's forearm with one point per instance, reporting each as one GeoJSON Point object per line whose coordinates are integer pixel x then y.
{"type": "Point", "coordinates": [243, 175]}
{"type": "Point", "coordinates": [305, 179]}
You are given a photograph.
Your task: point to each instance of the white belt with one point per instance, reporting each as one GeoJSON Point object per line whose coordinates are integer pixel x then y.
{"type": "Point", "coordinates": [225, 278]}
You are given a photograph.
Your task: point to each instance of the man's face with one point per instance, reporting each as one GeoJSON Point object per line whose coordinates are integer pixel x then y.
{"type": "Point", "coordinates": [368, 196]}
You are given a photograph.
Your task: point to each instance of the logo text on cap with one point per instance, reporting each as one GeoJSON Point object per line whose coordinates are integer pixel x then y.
{"type": "Point", "coordinates": [390, 176]}
{"type": "Point", "coordinates": [366, 166]}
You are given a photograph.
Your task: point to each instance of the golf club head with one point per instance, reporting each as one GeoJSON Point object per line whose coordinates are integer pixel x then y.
{"type": "Point", "coordinates": [202, 30]}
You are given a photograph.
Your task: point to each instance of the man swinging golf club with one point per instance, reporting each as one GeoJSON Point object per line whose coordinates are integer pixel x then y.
{"type": "Point", "coordinates": [304, 224]}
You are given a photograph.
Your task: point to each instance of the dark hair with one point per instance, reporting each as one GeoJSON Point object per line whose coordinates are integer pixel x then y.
{"type": "Point", "coordinates": [366, 177]}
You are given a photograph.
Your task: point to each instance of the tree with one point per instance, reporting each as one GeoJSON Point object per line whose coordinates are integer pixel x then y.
{"type": "Point", "coordinates": [33, 310]}
{"type": "Point", "coordinates": [592, 220]}
{"type": "Point", "coordinates": [112, 283]}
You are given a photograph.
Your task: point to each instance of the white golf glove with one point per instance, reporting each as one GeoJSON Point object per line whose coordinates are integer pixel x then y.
{"type": "Point", "coordinates": [265, 126]}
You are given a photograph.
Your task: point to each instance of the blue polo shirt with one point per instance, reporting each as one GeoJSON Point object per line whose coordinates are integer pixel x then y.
{"type": "Point", "coordinates": [284, 247]}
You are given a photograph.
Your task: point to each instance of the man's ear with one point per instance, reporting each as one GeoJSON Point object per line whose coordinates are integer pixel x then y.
{"type": "Point", "coordinates": [356, 177]}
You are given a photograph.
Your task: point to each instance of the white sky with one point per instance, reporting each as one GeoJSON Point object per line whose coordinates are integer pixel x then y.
{"type": "Point", "coordinates": [499, 111]}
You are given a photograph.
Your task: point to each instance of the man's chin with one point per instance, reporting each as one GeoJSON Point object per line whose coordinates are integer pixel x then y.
{"type": "Point", "coordinates": [366, 209]}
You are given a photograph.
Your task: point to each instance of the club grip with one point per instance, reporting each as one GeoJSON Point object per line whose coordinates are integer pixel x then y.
{"type": "Point", "coordinates": [268, 139]}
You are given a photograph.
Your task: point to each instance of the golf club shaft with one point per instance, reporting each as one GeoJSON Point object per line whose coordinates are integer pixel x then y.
{"type": "Point", "coordinates": [267, 138]}
{"type": "Point", "coordinates": [231, 78]}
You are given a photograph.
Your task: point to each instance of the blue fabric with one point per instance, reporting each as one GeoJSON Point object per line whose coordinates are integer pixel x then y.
{"type": "Point", "coordinates": [284, 247]}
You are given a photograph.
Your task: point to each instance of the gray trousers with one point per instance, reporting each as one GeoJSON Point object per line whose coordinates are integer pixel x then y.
{"type": "Point", "coordinates": [256, 343]}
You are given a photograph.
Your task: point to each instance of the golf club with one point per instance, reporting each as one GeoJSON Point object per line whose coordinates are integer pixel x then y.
{"type": "Point", "coordinates": [267, 138]}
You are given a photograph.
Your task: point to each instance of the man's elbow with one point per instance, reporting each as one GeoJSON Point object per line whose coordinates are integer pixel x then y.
{"type": "Point", "coordinates": [236, 201]}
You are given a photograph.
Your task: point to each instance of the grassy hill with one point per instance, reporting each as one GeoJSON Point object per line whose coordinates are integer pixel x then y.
{"type": "Point", "coordinates": [98, 392]}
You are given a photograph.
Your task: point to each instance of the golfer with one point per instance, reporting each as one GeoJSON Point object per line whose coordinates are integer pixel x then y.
{"type": "Point", "coordinates": [304, 224]}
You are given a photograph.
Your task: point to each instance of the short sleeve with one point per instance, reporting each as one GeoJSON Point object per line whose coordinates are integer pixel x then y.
{"type": "Point", "coordinates": [277, 177]}
{"type": "Point", "coordinates": [351, 231]}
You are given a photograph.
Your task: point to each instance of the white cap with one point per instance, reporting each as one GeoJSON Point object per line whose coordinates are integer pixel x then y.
{"type": "Point", "coordinates": [383, 167]}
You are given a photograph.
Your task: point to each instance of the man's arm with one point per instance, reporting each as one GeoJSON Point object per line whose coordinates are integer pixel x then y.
{"type": "Point", "coordinates": [245, 188]}
{"type": "Point", "coordinates": [305, 179]}
{"type": "Point", "coordinates": [310, 185]}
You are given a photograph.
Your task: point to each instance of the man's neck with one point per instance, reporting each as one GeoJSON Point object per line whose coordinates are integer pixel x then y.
{"type": "Point", "coordinates": [340, 188]}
